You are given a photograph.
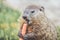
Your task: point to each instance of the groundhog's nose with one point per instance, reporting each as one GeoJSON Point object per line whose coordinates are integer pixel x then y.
{"type": "Point", "coordinates": [24, 17]}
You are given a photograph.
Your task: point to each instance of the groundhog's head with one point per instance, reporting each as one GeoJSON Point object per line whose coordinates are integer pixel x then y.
{"type": "Point", "coordinates": [33, 12]}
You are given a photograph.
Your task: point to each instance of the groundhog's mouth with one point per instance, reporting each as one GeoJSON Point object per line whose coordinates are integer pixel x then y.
{"type": "Point", "coordinates": [27, 20]}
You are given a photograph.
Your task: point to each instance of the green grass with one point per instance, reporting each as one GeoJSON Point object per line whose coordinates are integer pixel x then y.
{"type": "Point", "coordinates": [58, 32]}
{"type": "Point", "coordinates": [8, 23]}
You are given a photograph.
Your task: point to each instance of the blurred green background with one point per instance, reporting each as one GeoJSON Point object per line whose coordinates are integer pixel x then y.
{"type": "Point", "coordinates": [9, 25]}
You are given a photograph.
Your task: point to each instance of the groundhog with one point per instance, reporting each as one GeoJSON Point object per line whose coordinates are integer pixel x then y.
{"type": "Point", "coordinates": [39, 26]}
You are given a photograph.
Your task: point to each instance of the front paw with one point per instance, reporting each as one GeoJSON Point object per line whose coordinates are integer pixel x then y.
{"type": "Point", "coordinates": [20, 35]}
{"type": "Point", "coordinates": [27, 37]}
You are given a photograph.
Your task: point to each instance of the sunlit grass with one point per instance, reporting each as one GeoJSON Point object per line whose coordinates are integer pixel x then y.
{"type": "Point", "coordinates": [8, 23]}
{"type": "Point", "coordinates": [58, 32]}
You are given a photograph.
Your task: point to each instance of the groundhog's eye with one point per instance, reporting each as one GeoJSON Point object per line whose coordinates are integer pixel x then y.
{"type": "Point", "coordinates": [32, 11]}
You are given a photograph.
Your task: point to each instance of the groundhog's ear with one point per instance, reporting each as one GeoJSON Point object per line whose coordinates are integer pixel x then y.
{"type": "Point", "coordinates": [42, 9]}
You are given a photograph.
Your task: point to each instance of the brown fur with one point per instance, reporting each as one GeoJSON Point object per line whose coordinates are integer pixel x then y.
{"type": "Point", "coordinates": [40, 29]}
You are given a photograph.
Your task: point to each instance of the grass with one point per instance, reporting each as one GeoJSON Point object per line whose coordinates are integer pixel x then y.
{"type": "Point", "coordinates": [8, 23]}
{"type": "Point", "coordinates": [58, 32]}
